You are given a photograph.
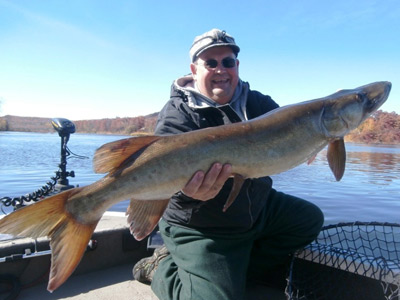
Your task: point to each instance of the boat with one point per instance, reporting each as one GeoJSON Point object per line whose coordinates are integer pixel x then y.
{"type": "Point", "coordinates": [352, 260]}
{"type": "Point", "coordinates": [320, 271]}
{"type": "Point", "coordinates": [105, 271]}
{"type": "Point", "coordinates": [357, 260]}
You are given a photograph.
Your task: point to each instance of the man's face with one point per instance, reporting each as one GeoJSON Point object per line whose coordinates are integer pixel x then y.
{"type": "Point", "coordinates": [217, 83]}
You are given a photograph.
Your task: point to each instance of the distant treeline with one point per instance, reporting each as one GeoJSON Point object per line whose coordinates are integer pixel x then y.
{"type": "Point", "coordinates": [380, 128]}
{"type": "Point", "coordinates": [123, 126]}
{"type": "Point", "coordinates": [25, 124]}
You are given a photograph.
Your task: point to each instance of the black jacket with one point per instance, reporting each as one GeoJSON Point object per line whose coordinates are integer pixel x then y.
{"type": "Point", "coordinates": [177, 117]}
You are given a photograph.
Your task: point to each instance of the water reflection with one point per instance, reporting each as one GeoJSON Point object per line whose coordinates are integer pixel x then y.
{"type": "Point", "coordinates": [368, 190]}
{"type": "Point", "coordinates": [376, 161]}
{"type": "Point", "coordinates": [379, 164]}
{"type": "Point", "coordinates": [381, 168]}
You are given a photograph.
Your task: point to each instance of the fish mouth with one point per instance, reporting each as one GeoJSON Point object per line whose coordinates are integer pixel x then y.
{"type": "Point", "coordinates": [376, 102]}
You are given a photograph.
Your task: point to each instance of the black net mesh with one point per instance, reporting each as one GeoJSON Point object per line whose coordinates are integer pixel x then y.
{"type": "Point", "coordinates": [348, 261]}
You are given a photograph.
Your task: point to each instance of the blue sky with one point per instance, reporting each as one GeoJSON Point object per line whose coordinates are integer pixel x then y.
{"type": "Point", "coordinates": [104, 59]}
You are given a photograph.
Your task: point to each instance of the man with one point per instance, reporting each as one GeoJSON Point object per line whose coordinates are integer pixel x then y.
{"type": "Point", "coordinates": [211, 254]}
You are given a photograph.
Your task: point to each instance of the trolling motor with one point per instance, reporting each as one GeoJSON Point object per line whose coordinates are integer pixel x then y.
{"type": "Point", "coordinates": [64, 128]}
{"type": "Point", "coordinates": [59, 182]}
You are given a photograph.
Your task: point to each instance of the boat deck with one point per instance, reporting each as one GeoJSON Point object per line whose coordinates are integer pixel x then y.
{"type": "Point", "coordinates": [111, 283]}
{"type": "Point", "coordinates": [117, 283]}
{"type": "Point", "coordinates": [104, 273]}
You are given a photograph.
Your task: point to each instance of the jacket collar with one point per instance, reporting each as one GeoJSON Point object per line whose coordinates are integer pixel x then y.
{"type": "Point", "coordinates": [196, 100]}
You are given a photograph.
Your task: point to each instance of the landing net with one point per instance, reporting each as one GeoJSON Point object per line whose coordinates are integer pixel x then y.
{"type": "Point", "coordinates": [348, 261]}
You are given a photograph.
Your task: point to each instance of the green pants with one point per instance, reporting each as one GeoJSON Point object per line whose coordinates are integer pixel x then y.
{"type": "Point", "coordinates": [203, 265]}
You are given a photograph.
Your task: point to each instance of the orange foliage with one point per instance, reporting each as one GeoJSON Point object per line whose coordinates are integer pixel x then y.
{"type": "Point", "coordinates": [380, 128]}
{"type": "Point", "coordinates": [124, 126]}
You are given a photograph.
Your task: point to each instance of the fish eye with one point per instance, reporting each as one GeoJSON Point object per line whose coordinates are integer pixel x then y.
{"type": "Point", "coordinates": [360, 97]}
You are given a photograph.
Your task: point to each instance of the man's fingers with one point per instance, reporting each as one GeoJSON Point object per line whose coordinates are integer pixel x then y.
{"type": "Point", "coordinates": [223, 176]}
{"type": "Point", "coordinates": [194, 184]}
{"type": "Point", "coordinates": [217, 179]}
{"type": "Point", "coordinates": [205, 186]}
{"type": "Point", "coordinates": [210, 179]}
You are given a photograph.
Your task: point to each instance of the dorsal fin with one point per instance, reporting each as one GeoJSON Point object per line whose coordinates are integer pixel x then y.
{"type": "Point", "coordinates": [111, 155]}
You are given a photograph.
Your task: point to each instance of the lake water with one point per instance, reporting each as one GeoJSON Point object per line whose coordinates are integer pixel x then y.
{"type": "Point", "coordinates": [369, 190]}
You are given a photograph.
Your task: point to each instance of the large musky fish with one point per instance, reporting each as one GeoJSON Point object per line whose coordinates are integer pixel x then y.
{"type": "Point", "coordinates": [150, 169]}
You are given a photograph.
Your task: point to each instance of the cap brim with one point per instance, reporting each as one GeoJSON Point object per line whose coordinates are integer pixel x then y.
{"type": "Point", "coordinates": [234, 47]}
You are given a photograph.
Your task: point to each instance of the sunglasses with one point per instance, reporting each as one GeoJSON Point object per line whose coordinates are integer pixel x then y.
{"type": "Point", "coordinates": [227, 62]}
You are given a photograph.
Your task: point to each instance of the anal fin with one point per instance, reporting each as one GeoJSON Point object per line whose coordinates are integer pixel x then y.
{"type": "Point", "coordinates": [143, 216]}
{"type": "Point", "coordinates": [238, 181]}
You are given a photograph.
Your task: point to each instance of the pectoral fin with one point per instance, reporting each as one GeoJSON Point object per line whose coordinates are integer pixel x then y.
{"type": "Point", "coordinates": [143, 216]}
{"type": "Point", "coordinates": [337, 158]}
{"type": "Point", "coordinates": [238, 181]}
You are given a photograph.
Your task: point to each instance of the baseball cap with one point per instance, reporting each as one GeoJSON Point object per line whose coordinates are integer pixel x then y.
{"type": "Point", "coordinates": [210, 39]}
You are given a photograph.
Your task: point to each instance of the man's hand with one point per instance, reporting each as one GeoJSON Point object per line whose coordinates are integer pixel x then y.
{"type": "Point", "coordinates": [205, 186]}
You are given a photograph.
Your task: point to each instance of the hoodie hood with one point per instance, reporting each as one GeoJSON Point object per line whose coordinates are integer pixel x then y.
{"type": "Point", "coordinates": [196, 100]}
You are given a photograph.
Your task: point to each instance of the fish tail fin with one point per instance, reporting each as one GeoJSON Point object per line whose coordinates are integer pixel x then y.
{"type": "Point", "coordinates": [68, 237]}
{"type": "Point", "coordinates": [67, 250]}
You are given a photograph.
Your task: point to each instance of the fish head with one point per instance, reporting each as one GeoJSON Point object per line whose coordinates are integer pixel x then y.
{"type": "Point", "coordinates": [345, 110]}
